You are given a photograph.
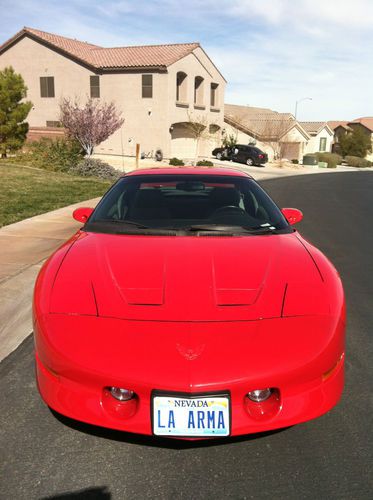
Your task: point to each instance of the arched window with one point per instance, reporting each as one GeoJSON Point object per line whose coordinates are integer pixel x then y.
{"type": "Point", "coordinates": [181, 87]}
{"type": "Point", "coordinates": [198, 90]}
{"type": "Point", "coordinates": [214, 101]}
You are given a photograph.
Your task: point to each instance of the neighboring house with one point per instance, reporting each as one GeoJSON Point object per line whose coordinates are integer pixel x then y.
{"type": "Point", "coordinates": [157, 88]}
{"type": "Point", "coordinates": [340, 129]}
{"type": "Point", "coordinates": [321, 137]}
{"type": "Point", "coordinates": [366, 125]}
{"type": "Point", "coordinates": [278, 134]}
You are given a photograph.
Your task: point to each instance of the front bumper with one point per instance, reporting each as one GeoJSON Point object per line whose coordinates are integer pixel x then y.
{"type": "Point", "coordinates": [75, 365]}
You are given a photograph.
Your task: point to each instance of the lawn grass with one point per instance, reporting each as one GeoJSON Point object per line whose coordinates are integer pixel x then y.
{"type": "Point", "coordinates": [26, 191]}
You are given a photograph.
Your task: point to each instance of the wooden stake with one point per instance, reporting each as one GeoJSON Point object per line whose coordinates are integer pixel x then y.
{"type": "Point", "coordinates": [137, 155]}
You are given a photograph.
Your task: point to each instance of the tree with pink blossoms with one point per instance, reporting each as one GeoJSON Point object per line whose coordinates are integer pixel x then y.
{"type": "Point", "coordinates": [90, 124]}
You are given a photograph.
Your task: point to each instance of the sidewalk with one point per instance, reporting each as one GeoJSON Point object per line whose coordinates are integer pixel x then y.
{"type": "Point", "coordinates": [24, 247]}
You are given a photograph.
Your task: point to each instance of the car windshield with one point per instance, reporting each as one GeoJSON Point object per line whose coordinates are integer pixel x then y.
{"type": "Point", "coordinates": [175, 204]}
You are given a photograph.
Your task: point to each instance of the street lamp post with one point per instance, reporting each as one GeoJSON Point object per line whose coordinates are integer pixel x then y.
{"type": "Point", "coordinates": [297, 102]}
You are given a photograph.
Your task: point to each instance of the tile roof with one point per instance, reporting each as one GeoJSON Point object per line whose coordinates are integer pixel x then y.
{"type": "Point", "coordinates": [314, 127]}
{"type": "Point", "coordinates": [367, 121]}
{"type": "Point", "coordinates": [110, 58]}
{"type": "Point", "coordinates": [258, 122]}
{"type": "Point", "coordinates": [335, 123]}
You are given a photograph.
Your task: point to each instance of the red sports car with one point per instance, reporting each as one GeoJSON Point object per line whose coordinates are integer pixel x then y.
{"type": "Point", "coordinates": [188, 306]}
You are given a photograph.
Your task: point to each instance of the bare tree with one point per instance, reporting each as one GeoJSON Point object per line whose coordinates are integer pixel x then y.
{"type": "Point", "coordinates": [200, 130]}
{"type": "Point", "coordinates": [91, 123]}
{"type": "Point", "coordinates": [273, 133]}
{"type": "Point", "coordinates": [268, 128]}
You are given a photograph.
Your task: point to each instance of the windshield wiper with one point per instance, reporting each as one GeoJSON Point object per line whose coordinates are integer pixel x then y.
{"type": "Point", "coordinates": [230, 229]}
{"type": "Point", "coordinates": [209, 227]}
{"type": "Point", "coordinates": [123, 222]}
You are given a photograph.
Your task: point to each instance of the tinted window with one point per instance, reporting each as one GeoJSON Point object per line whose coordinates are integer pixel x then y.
{"type": "Point", "coordinates": [180, 201]}
{"type": "Point", "coordinates": [94, 81]}
{"type": "Point", "coordinates": [147, 85]}
{"type": "Point", "coordinates": [46, 86]}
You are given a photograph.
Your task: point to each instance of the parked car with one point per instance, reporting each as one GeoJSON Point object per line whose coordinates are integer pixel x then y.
{"type": "Point", "coordinates": [242, 153]}
{"type": "Point", "coordinates": [188, 306]}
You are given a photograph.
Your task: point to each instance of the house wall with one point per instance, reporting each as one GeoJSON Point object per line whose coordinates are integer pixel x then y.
{"type": "Point", "coordinates": [194, 65]}
{"type": "Point", "coordinates": [33, 60]}
{"type": "Point", "coordinates": [147, 120]}
{"type": "Point", "coordinates": [313, 145]}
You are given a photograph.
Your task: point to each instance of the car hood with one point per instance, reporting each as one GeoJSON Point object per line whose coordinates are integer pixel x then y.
{"type": "Point", "coordinates": [188, 278]}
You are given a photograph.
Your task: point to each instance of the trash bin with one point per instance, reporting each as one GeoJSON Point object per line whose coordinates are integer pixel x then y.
{"type": "Point", "coordinates": [310, 160]}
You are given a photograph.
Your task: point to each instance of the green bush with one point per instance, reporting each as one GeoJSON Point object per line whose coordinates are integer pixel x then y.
{"type": "Point", "coordinates": [176, 162]}
{"type": "Point", "coordinates": [355, 143]}
{"type": "Point", "coordinates": [93, 167]}
{"type": "Point", "coordinates": [205, 163]}
{"type": "Point", "coordinates": [57, 155]}
{"type": "Point", "coordinates": [356, 161]}
{"type": "Point", "coordinates": [295, 161]}
{"type": "Point", "coordinates": [331, 159]}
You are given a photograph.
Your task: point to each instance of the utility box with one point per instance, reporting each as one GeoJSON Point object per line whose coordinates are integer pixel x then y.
{"type": "Point", "coordinates": [310, 160]}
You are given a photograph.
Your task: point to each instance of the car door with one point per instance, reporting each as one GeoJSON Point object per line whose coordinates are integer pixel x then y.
{"type": "Point", "coordinates": [237, 153]}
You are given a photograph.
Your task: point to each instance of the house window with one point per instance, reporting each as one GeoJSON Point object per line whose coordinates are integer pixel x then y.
{"type": "Point", "coordinates": [322, 144]}
{"type": "Point", "coordinates": [46, 86]}
{"type": "Point", "coordinates": [53, 124]}
{"type": "Point", "coordinates": [181, 87]}
{"type": "Point", "coordinates": [198, 90]}
{"type": "Point", "coordinates": [214, 95]}
{"type": "Point", "coordinates": [95, 86]}
{"type": "Point", "coordinates": [147, 86]}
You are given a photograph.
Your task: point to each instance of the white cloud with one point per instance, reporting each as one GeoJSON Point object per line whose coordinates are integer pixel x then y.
{"type": "Point", "coordinates": [356, 14]}
{"type": "Point", "coordinates": [272, 52]}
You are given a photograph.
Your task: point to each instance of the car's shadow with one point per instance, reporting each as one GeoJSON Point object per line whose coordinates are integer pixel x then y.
{"type": "Point", "coordinates": [155, 441]}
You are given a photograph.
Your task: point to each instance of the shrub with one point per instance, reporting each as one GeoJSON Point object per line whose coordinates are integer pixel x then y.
{"type": "Point", "coordinates": [13, 111]}
{"type": "Point", "coordinates": [331, 159]}
{"type": "Point", "coordinates": [355, 143]}
{"type": "Point", "coordinates": [295, 161]}
{"type": "Point", "coordinates": [356, 161]}
{"type": "Point", "coordinates": [92, 167]}
{"type": "Point", "coordinates": [176, 162]}
{"type": "Point", "coordinates": [205, 163]}
{"type": "Point", "coordinates": [57, 155]}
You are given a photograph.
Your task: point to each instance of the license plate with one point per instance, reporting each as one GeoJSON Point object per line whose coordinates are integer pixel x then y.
{"type": "Point", "coordinates": [191, 416]}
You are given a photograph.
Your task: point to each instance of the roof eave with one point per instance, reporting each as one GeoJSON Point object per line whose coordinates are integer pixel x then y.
{"type": "Point", "coordinates": [23, 33]}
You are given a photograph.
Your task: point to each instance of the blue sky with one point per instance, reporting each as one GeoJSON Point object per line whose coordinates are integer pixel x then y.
{"type": "Point", "coordinates": [272, 52]}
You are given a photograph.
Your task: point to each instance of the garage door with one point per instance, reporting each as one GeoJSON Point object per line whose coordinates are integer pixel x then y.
{"type": "Point", "coordinates": [290, 150]}
{"type": "Point", "coordinates": [183, 145]}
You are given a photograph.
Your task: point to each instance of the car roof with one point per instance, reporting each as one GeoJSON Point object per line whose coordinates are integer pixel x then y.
{"type": "Point", "coordinates": [189, 170]}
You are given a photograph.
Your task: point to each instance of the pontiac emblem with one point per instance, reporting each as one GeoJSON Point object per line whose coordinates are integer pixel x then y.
{"type": "Point", "coordinates": [190, 353]}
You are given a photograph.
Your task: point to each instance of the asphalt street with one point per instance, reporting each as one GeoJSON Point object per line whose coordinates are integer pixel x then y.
{"type": "Point", "coordinates": [44, 455]}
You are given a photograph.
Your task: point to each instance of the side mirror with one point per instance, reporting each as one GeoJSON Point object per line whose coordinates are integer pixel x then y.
{"type": "Point", "coordinates": [292, 215]}
{"type": "Point", "coordinates": [82, 214]}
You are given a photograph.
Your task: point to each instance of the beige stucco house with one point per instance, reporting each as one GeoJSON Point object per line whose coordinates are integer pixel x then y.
{"type": "Point", "coordinates": [158, 89]}
{"type": "Point", "coordinates": [341, 128]}
{"type": "Point", "coordinates": [321, 137]}
{"type": "Point", "coordinates": [278, 134]}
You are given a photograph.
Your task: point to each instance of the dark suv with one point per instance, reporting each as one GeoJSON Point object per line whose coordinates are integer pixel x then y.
{"type": "Point", "coordinates": [242, 153]}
